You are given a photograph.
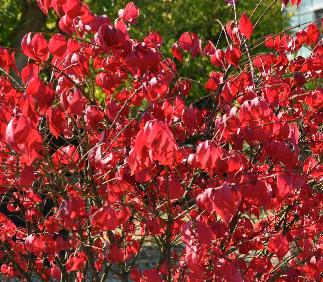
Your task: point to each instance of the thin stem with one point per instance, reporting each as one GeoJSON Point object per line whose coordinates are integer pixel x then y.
{"type": "Point", "coordinates": [264, 13]}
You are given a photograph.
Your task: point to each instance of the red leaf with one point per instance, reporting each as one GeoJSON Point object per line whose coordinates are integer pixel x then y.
{"type": "Point", "coordinates": [73, 102]}
{"type": "Point", "coordinates": [172, 188]}
{"type": "Point", "coordinates": [209, 49]}
{"type": "Point", "coordinates": [18, 130]}
{"type": "Point", "coordinates": [35, 46]}
{"type": "Point", "coordinates": [301, 36]}
{"type": "Point", "coordinates": [43, 94]}
{"type": "Point", "coordinates": [294, 133]}
{"type": "Point", "coordinates": [177, 53]}
{"type": "Point", "coordinates": [116, 254]}
{"type": "Point", "coordinates": [254, 191]}
{"type": "Point", "coordinates": [57, 45]}
{"type": "Point", "coordinates": [288, 183]}
{"type": "Point", "coordinates": [57, 121]}
{"type": "Point", "coordinates": [72, 8]}
{"type": "Point", "coordinates": [285, 2]}
{"type": "Point", "coordinates": [71, 211]}
{"type": "Point", "coordinates": [66, 155]}
{"type": "Point", "coordinates": [153, 40]}
{"type": "Point", "coordinates": [204, 232]}
{"type": "Point", "coordinates": [65, 24]}
{"type": "Point", "coordinates": [245, 26]}
{"type": "Point", "coordinates": [7, 60]}
{"type": "Point", "coordinates": [76, 262]}
{"type": "Point", "coordinates": [109, 37]}
{"type": "Point", "coordinates": [130, 13]}
{"type": "Point", "coordinates": [93, 115]}
{"type": "Point", "coordinates": [313, 168]}
{"type": "Point", "coordinates": [55, 272]}
{"type": "Point", "coordinates": [7, 270]}
{"type": "Point", "coordinates": [216, 78]}
{"type": "Point", "coordinates": [218, 58]}
{"type": "Point", "coordinates": [151, 275]}
{"type": "Point", "coordinates": [105, 218]}
{"type": "Point", "coordinates": [44, 5]}
{"type": "Point", "coordinates": [193, 262]}
{"type": "Point", "coordinates": [278, 245]}
{"type": "Point", "coordinates": [27, 176]}
{"type": "Point", "coordinates": [154, 142]}
{"type": "Point", "coordinates": [29, 72]}
{"type": "Point", "coordinates": [233, 55]}
{"type": "Point", "coordinates": [233, 32]}
{"type": "Point", "coordinates": [210, 157]}
{"type": "Point", "coordinates": [35, 243]}
{"type": "Point", "coordinates": [237, 162]}
{"type": "Point", "coordinates": [269, 42]}
{"type": "Point", "coordinates": [190, 42]}
{"type": "Point", "coordinates": [313, 34]}
{"type": "Point", "coordinates": [223, 200]}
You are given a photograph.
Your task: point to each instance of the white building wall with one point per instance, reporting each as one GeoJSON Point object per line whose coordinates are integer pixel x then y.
{"type": "Point", "coordinates": [308, 11]}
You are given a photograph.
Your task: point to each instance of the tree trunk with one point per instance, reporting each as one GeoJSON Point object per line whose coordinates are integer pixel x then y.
{"type": "Point", "coordinates": [32, 20]}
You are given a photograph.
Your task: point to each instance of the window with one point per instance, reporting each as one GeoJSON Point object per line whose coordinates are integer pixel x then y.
{"type": "Point", "coordinates": [319, 14]}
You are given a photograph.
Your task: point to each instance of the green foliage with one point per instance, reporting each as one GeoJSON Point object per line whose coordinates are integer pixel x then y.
{"type": "Point", "coordinates": [173, 17]}
{"type": "Point", "coordinates": [168, 17]}
{"type": "Point", "coordinates": [10, 17]}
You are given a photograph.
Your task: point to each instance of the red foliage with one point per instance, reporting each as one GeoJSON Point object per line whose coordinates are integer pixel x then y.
{"type": "Point", "coordinates": [245, 25]}
{"type": "Point", "coordinates": [227, 191]}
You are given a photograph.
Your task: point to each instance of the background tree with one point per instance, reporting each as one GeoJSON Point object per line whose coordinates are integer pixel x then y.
{"type": "Point", "coordinates": [169, 18]}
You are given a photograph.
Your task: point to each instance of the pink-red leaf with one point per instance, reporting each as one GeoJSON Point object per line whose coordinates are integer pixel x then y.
{"type": "Point", "coordinates": [177, 52]}
{"type": "Point", "coordinates": [190, 42]}
{"type": "Point", "coordinates": [130, 13]}
{"type": "Point", "coordinates": [105, 218]}
{"type": "Point", "coordinates": [57, 45]}
{"type": "Point", "coordinates": [223, 200]}
{"type": "Point", "coordinates": [27, 176]}
{"type": "Point", "coordinates": [245, 26]}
